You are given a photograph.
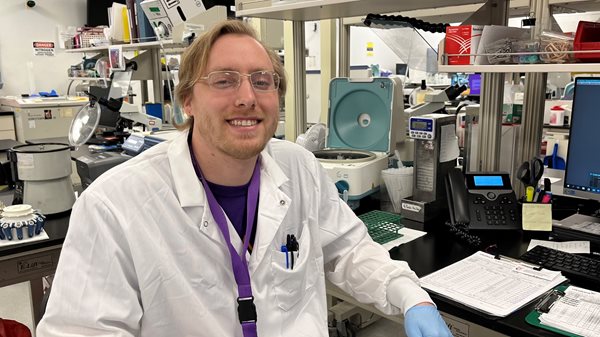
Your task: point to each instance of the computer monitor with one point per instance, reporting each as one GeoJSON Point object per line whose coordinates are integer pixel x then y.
{"type": "Point", "coordinates": [582, 175]}
{"type": "Point", "coordinates": [402, 69]}
{"type": "Point", "coordinates": [474, 84]}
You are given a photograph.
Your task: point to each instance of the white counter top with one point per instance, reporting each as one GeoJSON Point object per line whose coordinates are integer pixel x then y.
{"type": "Point", "coordinates": [38, 102]}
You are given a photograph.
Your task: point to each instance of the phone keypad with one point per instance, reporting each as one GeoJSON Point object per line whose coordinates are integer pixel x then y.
{"type": "Point", "coordinates": [499, 212]}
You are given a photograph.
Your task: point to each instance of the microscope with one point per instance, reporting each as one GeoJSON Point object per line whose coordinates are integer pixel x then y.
{"type": "Point", "coordinates": [435, 102]}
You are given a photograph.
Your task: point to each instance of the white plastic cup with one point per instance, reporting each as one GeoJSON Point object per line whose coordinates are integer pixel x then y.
{"type": "Point", "coordinates": [399, 184]}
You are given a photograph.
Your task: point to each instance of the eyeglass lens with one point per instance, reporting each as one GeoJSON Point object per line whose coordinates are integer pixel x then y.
{"type": "Point", "coordinates": [260, 80]}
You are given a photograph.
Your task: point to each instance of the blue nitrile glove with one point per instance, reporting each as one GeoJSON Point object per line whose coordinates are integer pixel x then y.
{"type": "Point", "coordinates": [425, 321]}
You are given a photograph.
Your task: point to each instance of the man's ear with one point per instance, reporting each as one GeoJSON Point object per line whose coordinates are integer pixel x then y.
{"type": "Point", "coordinates": [187, 106]}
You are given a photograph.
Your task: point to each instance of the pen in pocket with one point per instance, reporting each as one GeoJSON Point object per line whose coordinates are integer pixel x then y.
{"type": "Point", "coordinates": [292, 247]}
{"type": "Point", "coordinates": [285, 250]}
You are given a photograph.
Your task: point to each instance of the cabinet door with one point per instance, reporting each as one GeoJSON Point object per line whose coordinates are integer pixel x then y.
{"type": "Point", "coordinates": [7, 127]}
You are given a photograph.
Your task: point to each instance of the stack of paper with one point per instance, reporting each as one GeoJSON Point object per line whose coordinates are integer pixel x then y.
{"type": "Point", "coordinates": [577, 312]}
{"type": "Point", "coordinates": [495, 286]}
{"type": "Point", "coordinates": [120, 23]}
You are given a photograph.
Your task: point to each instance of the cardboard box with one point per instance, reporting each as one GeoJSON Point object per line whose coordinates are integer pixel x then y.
{"type": "Point", "coordinates": [462, 40]}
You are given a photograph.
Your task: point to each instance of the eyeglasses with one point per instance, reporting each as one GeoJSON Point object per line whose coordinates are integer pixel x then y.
{"type": "Point", "coordinates": [262, 81]}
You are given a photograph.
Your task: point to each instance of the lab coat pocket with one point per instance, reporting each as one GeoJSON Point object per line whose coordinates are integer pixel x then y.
{"type": "Point", "coordinates": [292, 278]}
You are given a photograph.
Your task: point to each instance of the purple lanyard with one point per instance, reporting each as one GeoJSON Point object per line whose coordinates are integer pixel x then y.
{"type": "Point", "coordinates": [246, 308]}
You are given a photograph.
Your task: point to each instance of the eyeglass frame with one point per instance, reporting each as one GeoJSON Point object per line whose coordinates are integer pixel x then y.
{"type": "Point", "coordinates": [274, 74]}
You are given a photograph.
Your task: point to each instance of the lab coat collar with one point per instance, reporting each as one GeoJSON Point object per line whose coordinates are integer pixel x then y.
{"type": "Point", "coordinates": [273, 202]}
{"type": "Point", "coordinates": [188, 187]}
{"type": "Point", "coordinates": [273, 207]}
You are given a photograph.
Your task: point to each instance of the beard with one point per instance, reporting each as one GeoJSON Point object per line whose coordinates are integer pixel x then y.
{"type": "Point", "coordinates": [244, 147]}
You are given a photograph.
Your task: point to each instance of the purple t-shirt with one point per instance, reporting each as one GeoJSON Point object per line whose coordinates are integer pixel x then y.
{"type": "Point", "coordinates": [233, 201]}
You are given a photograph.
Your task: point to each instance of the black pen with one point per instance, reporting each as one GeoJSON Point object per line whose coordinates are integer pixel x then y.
{"type": "Point", "coordinates": [296, 245]}
{"type": "Point", "coordinates": [547, 185]}
{"type": "Point", "coordinates": [290, 248]}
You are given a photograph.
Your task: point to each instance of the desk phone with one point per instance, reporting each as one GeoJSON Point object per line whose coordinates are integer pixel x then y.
{"type": "Point", "coordinates": [483, 200]}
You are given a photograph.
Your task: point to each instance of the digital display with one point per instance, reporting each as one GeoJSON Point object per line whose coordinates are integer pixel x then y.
{"type": "Point", "coordinates": [483, 181]}
{"type": "Point", "coordinates": [418, 125]}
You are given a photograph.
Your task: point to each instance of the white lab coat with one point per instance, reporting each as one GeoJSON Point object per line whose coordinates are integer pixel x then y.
{"type": "Point", "coordinates": [144, 257]}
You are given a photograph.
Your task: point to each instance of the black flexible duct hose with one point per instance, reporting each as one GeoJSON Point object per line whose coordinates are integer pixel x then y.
{"type": "Point", "coordinates": [404, 21]}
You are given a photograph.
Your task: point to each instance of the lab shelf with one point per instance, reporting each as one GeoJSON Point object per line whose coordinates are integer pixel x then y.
{"type": "Point", "coordinates": [328, 9]}
{"type": "Point", "coordinates": [167, 44]}
{"type": "Point", "coordinates": [148, 61]}
{"type": "Point", "coordinates": [522, 68]}
{"type": "Point", "coordinates": [82, 78]}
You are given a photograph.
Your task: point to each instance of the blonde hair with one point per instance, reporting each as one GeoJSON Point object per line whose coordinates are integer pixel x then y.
{"type": "Point", "coordinates": [195, 58]}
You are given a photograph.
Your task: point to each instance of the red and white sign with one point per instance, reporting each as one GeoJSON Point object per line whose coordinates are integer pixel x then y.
{"type": "Point", "coordinates": [41, 48]}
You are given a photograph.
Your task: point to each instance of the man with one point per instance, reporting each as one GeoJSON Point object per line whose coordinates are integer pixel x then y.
{"type": "Point", "coordinates": [223, 231]}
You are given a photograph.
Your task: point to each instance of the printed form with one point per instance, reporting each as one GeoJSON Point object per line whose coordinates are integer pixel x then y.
{"type": "Point", "coordinates": [496, 287]}
{"type": "Point", "coordinates": [577, 312]}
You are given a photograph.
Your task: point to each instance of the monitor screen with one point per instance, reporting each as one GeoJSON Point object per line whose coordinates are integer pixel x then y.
{"type": "Point", "coordinates": [582, 175]}
{"type": "Point", "coordinates": [402, 69]}
{"type": "Point", "coordinates": [474, 84]}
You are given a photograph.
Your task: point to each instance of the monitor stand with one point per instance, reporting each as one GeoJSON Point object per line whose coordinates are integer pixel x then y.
{"type": "Point", "coordinates": [578, 227]}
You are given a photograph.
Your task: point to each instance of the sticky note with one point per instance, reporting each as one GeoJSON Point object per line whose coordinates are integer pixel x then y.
{"type": "Point", "coordinates": [537, 217]}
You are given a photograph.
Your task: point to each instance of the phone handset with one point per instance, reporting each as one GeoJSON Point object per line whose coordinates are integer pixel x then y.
{"type": "Point", "coordinates": [458, 199]}
{"type": "Point", "coordinates": [458, 204]}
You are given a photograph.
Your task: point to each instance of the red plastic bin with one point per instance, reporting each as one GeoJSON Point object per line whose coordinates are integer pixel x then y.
{"type": "Point", "coordinates": [587, 37]}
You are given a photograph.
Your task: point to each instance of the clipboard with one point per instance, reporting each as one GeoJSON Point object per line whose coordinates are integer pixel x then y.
{"type": "Point", "coordinates": [479, 271]}
{"type": "Point", "coordinates": [533, 317]}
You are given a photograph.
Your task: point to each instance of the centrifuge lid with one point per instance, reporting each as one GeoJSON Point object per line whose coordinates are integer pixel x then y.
{"type": "Point", "coordinates": [360, 114]}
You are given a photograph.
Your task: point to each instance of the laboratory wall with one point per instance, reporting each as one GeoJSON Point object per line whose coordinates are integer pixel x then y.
{"type": "Point", "coordinates": [20, 26]}
{"type": "Point", "coordinates": [312, 38]}
{"type": "Point", "coordinates": [366, 48]}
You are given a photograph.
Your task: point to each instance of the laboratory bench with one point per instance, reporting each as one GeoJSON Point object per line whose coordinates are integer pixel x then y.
{"type": "Point", "coordinates": [436, 250]}
{"type": "Point", "coordinates": [440, 248]}
{"type": "Point", "coordinates": [32, 261]}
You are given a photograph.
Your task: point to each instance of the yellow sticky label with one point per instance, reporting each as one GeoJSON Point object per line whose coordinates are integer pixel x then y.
{"type": "Point", "coordinates": [537, 217]}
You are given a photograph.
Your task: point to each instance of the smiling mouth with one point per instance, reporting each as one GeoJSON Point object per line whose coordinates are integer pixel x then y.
{"type": "Point", "coordinates": [243, 122]}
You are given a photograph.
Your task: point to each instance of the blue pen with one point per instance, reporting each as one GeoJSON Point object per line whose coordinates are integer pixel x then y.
{"type": "Point", "coordinates": [285, 250]}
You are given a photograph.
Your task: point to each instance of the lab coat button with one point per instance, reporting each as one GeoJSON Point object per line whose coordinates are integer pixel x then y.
{"type": "Point", "coordinates": [282, 202]}
{"type": "Point", "coordinates": [205, 223]}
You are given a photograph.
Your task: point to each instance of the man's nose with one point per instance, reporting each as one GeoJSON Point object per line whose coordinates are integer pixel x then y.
{"type": "Point", "coordinates": [245, 94]}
